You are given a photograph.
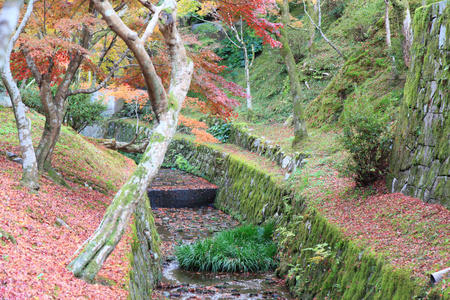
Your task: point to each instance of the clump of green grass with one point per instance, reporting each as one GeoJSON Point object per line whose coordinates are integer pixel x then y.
{"type": "Point", "coordinates": [242, 249]}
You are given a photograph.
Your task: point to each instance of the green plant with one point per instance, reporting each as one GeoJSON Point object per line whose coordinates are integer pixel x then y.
{"type": "Point", "coordinates": [321, 252]}
{"type": "Point", "coordinates": [134, 156]}
{"type": "Point", "coordinates": [243, 249]}
{"type": "Point", "coordinates": [82, 111]}
{"type": "Point", "coordinates": [234, 57]}
{"type": "Point", "coordinates": [368, 139]}
{"type": "Point", "coordinates": [182, 164]}
{"type": "Point", "coordinates": [220, 131]}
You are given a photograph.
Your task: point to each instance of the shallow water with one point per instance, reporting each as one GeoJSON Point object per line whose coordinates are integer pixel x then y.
{"type": "Point", "coordinates": [188, 225]}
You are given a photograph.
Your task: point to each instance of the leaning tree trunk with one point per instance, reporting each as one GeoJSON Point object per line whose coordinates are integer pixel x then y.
{"type": "Point", "coordinates": [99, 246]}
{"type": "Point", "coordinates": [30, 173]}
{"type": "Point", "coordinates": [300, 131]}
{"type": "Point", "coordinates": [403, 14]}
{"type": "Point", "coordinates": [30, 167]}
{"type": "Point", "coordinates": [54, 112]}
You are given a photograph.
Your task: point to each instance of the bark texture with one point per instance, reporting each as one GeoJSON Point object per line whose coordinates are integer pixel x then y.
{"type": "Point", "coordinates": [103, 241]}
{"type": "Point", "coordinates": [30, 173]}
{"type": "Point", "coordinates": [300, 131]}
{"type": "Point", "coordinates": [54, 105]}
{"type": "Point", "coordinates": [388, 40]}
{"type": "Point", "coordinates": [403, 14]}
{"type": "Point", "coordinates": [146, 257]}
{"type": "Point", "coordinates": [9, 17]}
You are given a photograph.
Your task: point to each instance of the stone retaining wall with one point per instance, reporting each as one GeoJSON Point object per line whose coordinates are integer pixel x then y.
{"type": "Point", "coordinates": [241, 135]}
{"type": "Point", "coordinates": [251, 195]}
{"type": "Point", "coordinates": [420, 160]}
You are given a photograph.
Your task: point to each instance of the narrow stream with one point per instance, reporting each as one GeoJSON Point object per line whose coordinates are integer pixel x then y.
{"type": "Point", "coordinates": [189, 224]}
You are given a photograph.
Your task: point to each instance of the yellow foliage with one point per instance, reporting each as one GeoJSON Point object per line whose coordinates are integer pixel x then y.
{"type": "Point", "coordinates": [207, 7]}
{"type": "Point", "coordinates": [186, 7]}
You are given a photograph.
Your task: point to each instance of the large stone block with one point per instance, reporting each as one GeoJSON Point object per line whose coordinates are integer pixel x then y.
{"type": "Point", "coordinates": [420, 160]}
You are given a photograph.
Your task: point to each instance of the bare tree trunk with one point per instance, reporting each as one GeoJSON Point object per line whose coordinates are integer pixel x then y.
{"type": "Point", "coordinates": [103, 241]}
{"type": "Point", "coordinates": [54, 112]}
{"type": "Point", "coordinates": [388, 40]}
{"type": "Point", "coordinates": [312, 7]}
{"type": "Point", "coordinates": [403, 14]}
{"type": "Point", "coordinates": [54, 105]}
{"type": "Point", "coordinates": [30, 173]}
{"type": "Point", "coordinates": [8, 21]}
{"type": "Point", "coordinates": [300, 131]}
{"type": "Point", "coordinates": [318, 26]}
{"type": "Point", "coordinates": [247, 79]}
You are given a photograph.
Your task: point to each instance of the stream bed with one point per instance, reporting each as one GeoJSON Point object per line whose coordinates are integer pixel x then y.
{"type": "Point", "coordinates": [189, 224]}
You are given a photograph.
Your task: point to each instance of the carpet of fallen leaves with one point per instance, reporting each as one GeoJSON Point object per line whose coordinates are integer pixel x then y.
{"type": "Point", "coordinates": [35, 268]}
{"type": "Point", "coordinates": [169, 179]}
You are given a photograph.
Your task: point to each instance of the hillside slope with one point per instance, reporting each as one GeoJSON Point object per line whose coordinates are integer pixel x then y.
{"type": "Point", "coordinates": [34, 268]}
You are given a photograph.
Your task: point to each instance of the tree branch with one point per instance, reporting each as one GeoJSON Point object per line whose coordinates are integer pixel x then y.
{"type": "Point", "coordinates": [321, 32]}
{"type": "Point", "coordinates": [103, 83]}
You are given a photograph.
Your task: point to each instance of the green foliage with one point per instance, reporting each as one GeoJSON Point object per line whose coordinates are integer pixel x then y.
{"type": "Point", "coordinates": [220, 131]}
{"type": "Point", "coordinates": [182, 164]}
{"type": "Point", "coordinates": [32, 99]}
{"type": "Point", "coordinates": [243, 249]}
{"type": "Point", "coordinates": [134, 156]}
{"type": "Point", "coordinates": [368, 139]}
{"type": "Point", "coordinates": [234, 57]}
{"type": "Point", "coordinates": [82, 112]}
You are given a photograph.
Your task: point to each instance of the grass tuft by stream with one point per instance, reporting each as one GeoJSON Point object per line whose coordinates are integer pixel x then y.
{"type": "Point", "coordinates": [243, 249]}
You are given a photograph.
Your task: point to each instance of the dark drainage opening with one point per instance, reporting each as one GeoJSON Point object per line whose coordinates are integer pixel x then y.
{"type": "Point", "coordinates": [176, 189]}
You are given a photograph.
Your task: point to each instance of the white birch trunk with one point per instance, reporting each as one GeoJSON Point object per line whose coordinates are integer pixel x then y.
{"type": "Point", "coordinates": [247, 79]}
{"type": "Point", "coordinates": [9, 17]}
{"type": "Point", "coordinates": [30, 173]}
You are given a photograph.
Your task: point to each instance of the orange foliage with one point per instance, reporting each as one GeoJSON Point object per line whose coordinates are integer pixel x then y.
{"type": "Point", "coordinates": [198, 128]}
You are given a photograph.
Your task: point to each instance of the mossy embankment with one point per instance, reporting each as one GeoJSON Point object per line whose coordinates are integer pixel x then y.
{"type": "Point", "coordinates": [314, 211]}
{"type": "Point", "coordinates": [330, 84]}
{"type": "Point", "coordinates": [47, 227]}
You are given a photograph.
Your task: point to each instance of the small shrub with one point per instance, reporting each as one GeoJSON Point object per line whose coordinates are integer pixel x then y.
{"type": "Point", "coordinates": [32, 98]}
{"type": "Point", "coordinates": [242, 249]}
{"type": "Point", "coordinates": [183, 164]}
{"type": "Point", "coordinates": [220, 131]}
{"type": "Point", "coordinates": [82, 112]}
{"type": "Point", "coordinates": [368, 139]}
{"type": "Point", "coordinates": [134, 156]}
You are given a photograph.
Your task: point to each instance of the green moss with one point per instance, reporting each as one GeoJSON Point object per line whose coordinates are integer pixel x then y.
{"type": "Point", "coordinates": [251, 194]}
{"type": "Point", "coordinates": [173, 102]}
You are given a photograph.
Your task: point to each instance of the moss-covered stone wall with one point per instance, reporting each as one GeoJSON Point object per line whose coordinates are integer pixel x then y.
{"type": "Point", "coordinates": [125, 131]}
{"type": "Point", "coordinates": [145, 254]}
{"type": "Point", "coordinates": [241, 135]}
{"type": "Point", "coordinates": [317, 260]}
{"type": "Point", "coordinates": [420, 160]}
